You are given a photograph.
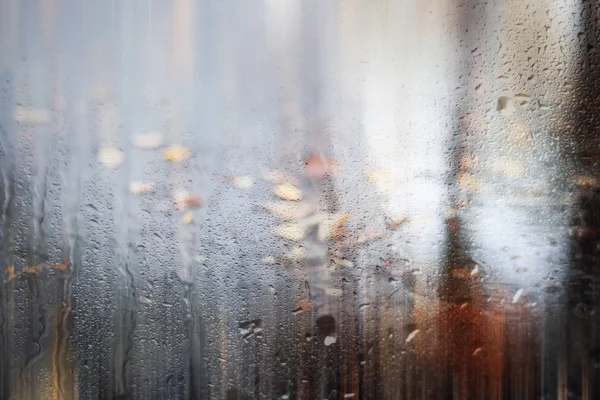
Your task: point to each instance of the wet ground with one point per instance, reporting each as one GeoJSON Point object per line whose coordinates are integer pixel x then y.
{"type": "Point", "coordinates": [299, 200]}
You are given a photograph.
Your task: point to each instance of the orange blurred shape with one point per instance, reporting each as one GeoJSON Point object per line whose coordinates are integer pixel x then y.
{"type": "Point", "coordinates": [461, 273]}
{"type": "Point", "coordinates": [316, 167]}
{"type": "Point", "coordinates": [184, 199]}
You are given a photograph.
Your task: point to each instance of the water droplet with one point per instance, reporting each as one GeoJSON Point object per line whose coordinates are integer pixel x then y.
{"type": "Point", "coordinates": [505, 105]}
{"type": "Point", "coordinates": [326, 326]}
{"type": "Point", "coordinates": [517, 296]}
{"type": "Point", "coordinates": [412, 335]}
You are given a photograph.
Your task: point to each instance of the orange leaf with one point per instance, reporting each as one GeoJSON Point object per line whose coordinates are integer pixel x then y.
{"type": "Point", "coordinates": [10, 270]}
{"type": "Point", "coordinates": [303, 305]}
{"type": "Point", "coordinates": [33, 269]}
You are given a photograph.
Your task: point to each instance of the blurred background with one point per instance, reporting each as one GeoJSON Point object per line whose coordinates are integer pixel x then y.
{"type": "Point", "coordinates": [316, 199]}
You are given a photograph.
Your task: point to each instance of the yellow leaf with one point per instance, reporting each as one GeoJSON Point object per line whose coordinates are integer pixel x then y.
{"type": "Point", "coordinates": [176, 154]}
{"type": "Point", "coordinates": [331, 226]}
{"type": "Point", "coordinates": [298, 253]}
{"type": "Point", "coordinates": [33, 269]}
{"type": "Point", "coordinates": [110, 157]}
{"type": "Point", "coordinates": [287, 191]}
{"type": "Point", "coordinates": [291, 231]}
{"type": "Point", "coordinates": [188, 217]}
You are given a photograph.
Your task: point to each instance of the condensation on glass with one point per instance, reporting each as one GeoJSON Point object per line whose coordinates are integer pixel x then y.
{"type": "Point", "coordinates": [279, 199]}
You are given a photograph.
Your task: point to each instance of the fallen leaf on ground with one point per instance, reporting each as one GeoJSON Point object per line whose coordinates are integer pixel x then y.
{"type": "Point", "coordinates": [287, 191]}
{"type": "Point", "coordinates": [184, 199]}
{"type": "Point", "coordinates": [241, 182]}
{"type": "Point", "coordinates": [332, 226]}
{"type": "Point", "coordinates": [303, 305]}
{"type": "Point", "coordinates": [298, 253]}
{"type": "Point", "coordinates": [110, 157]}
{"type": "Point", "coordinates": [138, 187]}
{"type": "Point", "coordinates": [290, 231]}
{"type": "Point", "coordinates": [289, 210]}
{"type": "Point", "coordinates": [60, 267]}
{"type": "Point", "coordinates": [188, 217]}
{"type": "Point", "coordinates": [33, 269]}
{"type": "Point", "coordinates": [147, 140]}
{"type": "Point", "coordinates": [316, 166]}
{"type": "Point", "coordinates": [176, 153]}
{"type": "Point", "coordinates": [10, 270]}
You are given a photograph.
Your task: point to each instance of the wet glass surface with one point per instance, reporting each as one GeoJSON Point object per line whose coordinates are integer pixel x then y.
{"type": "Point", "coordinates": [308, 199]}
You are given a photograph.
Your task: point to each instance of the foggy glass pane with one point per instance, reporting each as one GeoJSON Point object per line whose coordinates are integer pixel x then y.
{"type": "Point", "coordinates": [285, 199]}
